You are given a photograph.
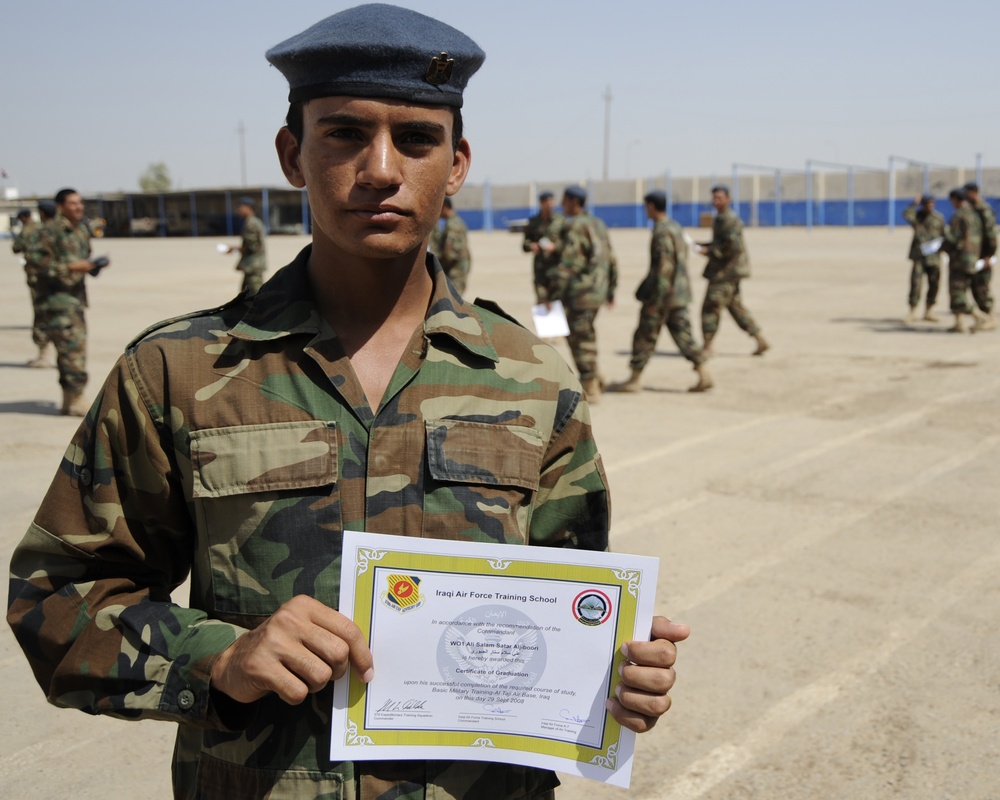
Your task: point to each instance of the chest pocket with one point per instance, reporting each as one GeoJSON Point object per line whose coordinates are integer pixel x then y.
{"type": "Point", "coordinates": [268, 514]}
{"type": "Point", "coordinates": [482, 480]}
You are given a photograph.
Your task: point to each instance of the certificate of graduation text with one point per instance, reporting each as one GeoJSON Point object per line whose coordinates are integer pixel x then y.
{"type": "Point", "coordinates": [489, 652]}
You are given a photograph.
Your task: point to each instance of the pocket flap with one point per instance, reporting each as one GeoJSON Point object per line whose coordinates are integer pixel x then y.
{"type": "Point", "coordinates": [484, 453]}
{"type": "Point", "coordinates": [260, 458]}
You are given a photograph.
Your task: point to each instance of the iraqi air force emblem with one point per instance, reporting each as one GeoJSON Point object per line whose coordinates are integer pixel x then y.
{"type": "Point", "coordinates": [402, 593]}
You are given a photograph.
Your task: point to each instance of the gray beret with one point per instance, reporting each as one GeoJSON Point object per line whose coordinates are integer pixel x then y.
{"type": "Point", "coordinates": [721, 187]}
{"type": "Point", "coordinates": [379, 50]}
{"type": "Point", "coordinates": [926, 198]}
{"type": "Point", "coordinates": [576, 192]}
{"type": "Point", "coordinates": [246, 201]}
{"type": "Point", "coordinates": [46, 207]}
{"type": "Point", "coordinates": [545, 196]}
{"type": "Point", "coordinates": [971, 186]}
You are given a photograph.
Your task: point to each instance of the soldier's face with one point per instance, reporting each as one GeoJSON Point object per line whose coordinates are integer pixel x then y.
{"type": "Point", "coordinates": [377, 172]}
{"type": "Point", "coordinates": [72, 208]}
{"type": "Point", "coordinates": [720, 201]}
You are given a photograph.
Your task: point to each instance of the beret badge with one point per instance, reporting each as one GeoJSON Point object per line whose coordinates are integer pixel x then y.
{"type": "Point", "coordinates": [439, 70]}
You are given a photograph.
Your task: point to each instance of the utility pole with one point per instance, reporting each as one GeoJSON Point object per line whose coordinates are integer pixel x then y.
{"type": "Point", "coordinates": [243, 153]}
{"type": "Point", "coordinates": [607, 128]}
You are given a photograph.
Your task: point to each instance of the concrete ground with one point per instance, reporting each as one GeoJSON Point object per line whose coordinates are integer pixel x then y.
{"type": "Point", "coordinates": [826, 520]}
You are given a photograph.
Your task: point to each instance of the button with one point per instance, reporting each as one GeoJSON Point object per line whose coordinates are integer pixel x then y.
{"type": "Point", "coordinates": [185, 699]}
{"type": "Point", "coordinates": [84, 476]}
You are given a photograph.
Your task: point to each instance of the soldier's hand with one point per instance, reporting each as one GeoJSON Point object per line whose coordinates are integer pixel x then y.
{"type": "Point", "coordinates": [298, 650]}
{"type": "Point", "coordinates": [534, 248]}
{"type": "Point", "coordinates": [647, 675]}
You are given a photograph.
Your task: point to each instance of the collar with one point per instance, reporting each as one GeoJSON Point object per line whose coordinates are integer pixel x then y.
{"type": "Point", "coordinates": [284, 306]}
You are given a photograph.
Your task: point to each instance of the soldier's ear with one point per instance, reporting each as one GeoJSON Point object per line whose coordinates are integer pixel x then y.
{"type": "Point", "coordinates": [459, 167]}
{"type": "Point", "coordinates": [288, 156]}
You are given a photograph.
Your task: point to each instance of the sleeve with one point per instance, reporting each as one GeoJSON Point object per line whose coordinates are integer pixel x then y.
{"type": "Point", "coordinates": [90, 582]}
{"type": "Point", "coordinates": [253, 238]}
{"type": "Point", "coordinates": [531, 235]}
{"type": "Point", "coordinates": [725, 246]}
{"type": "Point", "coordinates": [59, 250]}
{"type": "Point", "coordinates": [910, 214]}
{"type": "Point", "coordinates": [573, 506]}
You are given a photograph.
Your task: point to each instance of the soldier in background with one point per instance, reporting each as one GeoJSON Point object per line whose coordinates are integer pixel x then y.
{"type": "Point", "coordinates": [541, 237]}
{"type": "Point", "coordinates": [981, 279]}
{"type": "Point", "coordinates": [584, 279]}
{"type": "Point", "coordinates": [450, 243]}
{"type": "Point", "coordinates": [963, 242]}
{"type": "Point", "coordinates": [665, 294]}
{"type": "Point", "coordinates": [356, 391]}
{"type": "Point", "coordinates": [727, 265]}
{"type": "Point", "coordinates": [253, 258]}
{"type": "Point", "coordinates": [63, 268]}
{"type": "Point", "coordinates": [928, 225]}
{"type": "Point", "coordinates": [27, 242]}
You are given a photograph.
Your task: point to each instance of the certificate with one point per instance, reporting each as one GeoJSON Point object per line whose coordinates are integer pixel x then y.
{"type": "Point", "coordinates": [550, 322]}
{"type": "Point", "coordinates": [931, 246]}
{"type": "Point", "coordinates": [489, 652]}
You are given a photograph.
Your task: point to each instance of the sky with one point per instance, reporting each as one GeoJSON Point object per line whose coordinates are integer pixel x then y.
{"type": "Point", "coordinates": [94, 92]}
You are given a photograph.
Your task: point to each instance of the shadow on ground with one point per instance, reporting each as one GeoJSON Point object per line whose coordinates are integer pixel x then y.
{"type": "Point", "coordinates": [30, 407]}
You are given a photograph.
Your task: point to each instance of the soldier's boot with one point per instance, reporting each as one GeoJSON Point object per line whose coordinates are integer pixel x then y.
{"type": "Point", "coordinates": [912, 316]}
{"type": "Point", "coordinates": [633, 384]}
{"type": "Point", "coordinates": [706, 348]}
{"type": "Point", "coordinates": [959, 326]}
{"type": "Point", "coordinates": [593, 391]}
{"type": "Point", "coordinates": [762, 345]}
{"type": "Point", "coordinates": [929, 313]}
{"type": "Point", "coordinates": [72, 404]}
{"type": "Point", "coordinates": [41, 360]}
{"type": "Point", "coordinates": [984, 322]}
{"type": "Point", "coordinates": [704, 379]}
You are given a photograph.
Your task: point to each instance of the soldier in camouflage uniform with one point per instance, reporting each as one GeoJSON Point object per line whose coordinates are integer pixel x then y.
{"type": "Point", "coordinates": [64, 263]}
{"type": "Point", "coordinates": [927, 225]}
{"type": "Point", "coordinates": [450, 243]}
{"type": "Point", "coordinates": [584, 279]}
{"type": "Point", "coordinates": [253, 258]}
{"type": "Point", "coordinates": [963, 243]}
{"type": "Point", "coordinates": [28, 242]}
{"type": "Point", "coordinates": [665, 295]}
{"type": "Point", "coordinates": [727, 265]}
{"type": "Point", "coordinates": [356, 391]}
{"type": "Point", "coordinates": [541, 237]}
{"type": "Point", "coordinates": [981, 279]}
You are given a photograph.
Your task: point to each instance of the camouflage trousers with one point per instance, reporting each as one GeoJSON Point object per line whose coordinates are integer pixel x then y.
{"type": "Point", "coordinates": [959, 283]}
{"type": "Point", "coordinates": [39, 335]}
{"type": "Point", "coordinates": [721, 295]}
{"type": "Point", "coordinates": [981, 290]}
{"type": "Point", "coordinates": [582, 340]}
{"type": "Point", "coordinates": [252, 281]}
{"type": "Point", "coordinates": [67, 330]}
{"type": "Point", "coordinates": [917, 279]}
{"type": "Point", "coordinates": [652, 317]}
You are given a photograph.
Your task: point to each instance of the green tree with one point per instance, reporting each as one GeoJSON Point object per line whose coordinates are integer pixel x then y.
{"type": "Point", "coordinates": [156, 178]}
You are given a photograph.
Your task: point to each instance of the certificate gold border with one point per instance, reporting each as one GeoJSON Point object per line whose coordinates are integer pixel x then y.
{"type": "Point", "coordinates": [628, 581]}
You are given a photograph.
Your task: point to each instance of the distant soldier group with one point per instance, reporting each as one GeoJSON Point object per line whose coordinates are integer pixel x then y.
{"type": "Point", "coordinates": [57, 260]}
{"type": "Point", "coordinates": [574, 263]}
{"type": "Point", "coordinates": [970, 241]}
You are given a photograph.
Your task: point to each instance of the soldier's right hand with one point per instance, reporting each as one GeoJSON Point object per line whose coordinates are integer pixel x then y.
{"type": "Point", "coordinates": [298, 650]}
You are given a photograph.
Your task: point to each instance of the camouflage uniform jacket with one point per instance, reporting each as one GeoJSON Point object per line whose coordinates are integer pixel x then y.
{"type": "Point", "coordinates": [27, 242]}
{"type": "Point", "coordinates": [61, 243]}
{"type": "Point", "coordinates": [238, 445]}
{"type": "Point", "coordinates": [668, 261]}
{"type": "Point", "coordinates": [450, 243]}
{"type": "Point", "coordinates": [539, 228]}
{"type": "Point", "coordinates": [989, 222]}
{"type": "Point", "coordinates": [727, 255]}
{"type": "Point", "coordinates": [253, 258]}
{"type": "Point", "coordinates": [964, 239]}
{"type": "Point", "coordinates": [586, 274]}
{"type": "Point", "coordinates": [926, 227]}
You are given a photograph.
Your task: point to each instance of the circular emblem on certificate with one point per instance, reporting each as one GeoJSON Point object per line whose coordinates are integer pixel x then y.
{"type": "Point", "coordinates": [592, 607]}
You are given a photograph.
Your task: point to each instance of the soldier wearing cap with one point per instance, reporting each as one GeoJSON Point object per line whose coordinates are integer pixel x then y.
{"type": "Point", "coordinates": [963, 239]}
{"type": "Point", "coordinates": [728, 264]}
{"type": "Point", "coordinates": [27, 242]}
{"type": "Point", "coordinates": [253, 258]}
{"type": "Point", "coordinates": [928, 228]}
{"type": "Point", "coordinates": [450, 243]}
{"type": "Point", "coordinates": [981, 280]}
{"type": "Point", "coordinates": [355, 391]}
{"type": "Point", "coordinates": [541, 237]}
{"type": "Point", "coordinates": [584, 278]}
{"type": "Point", "coordinates": [665, 294]}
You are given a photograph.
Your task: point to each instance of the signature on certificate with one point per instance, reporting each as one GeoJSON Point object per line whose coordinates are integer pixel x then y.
{"type": "Point", "coordinates": [567, 715]}
{"type": "Point", "coordinates": [497, 709]}
{"type": "Point", "coordinates": [402, 705]}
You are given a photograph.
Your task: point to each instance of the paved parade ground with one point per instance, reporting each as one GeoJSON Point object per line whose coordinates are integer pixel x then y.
{"type": "Point", "coordinates": [826, 520]}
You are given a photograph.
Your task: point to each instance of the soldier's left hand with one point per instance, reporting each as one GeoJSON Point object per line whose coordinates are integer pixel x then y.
{"type": "Point", "coordinates": [647, 675]}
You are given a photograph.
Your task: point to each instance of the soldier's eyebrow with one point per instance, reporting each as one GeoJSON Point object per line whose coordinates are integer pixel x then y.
{"type": "Point", "coordinates": [354, 121]}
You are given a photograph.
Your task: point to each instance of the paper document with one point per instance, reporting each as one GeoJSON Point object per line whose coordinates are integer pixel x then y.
{"type": "Point", "coordinates": [490, 652]}
{"type": "Point", "coordinates": [929, 248]}
{"type": "Point", "coordinates": [222, 248]}
{"type": "Point", "coordinates": [550, 322]}
{"type": "Point", "coordinates": [983, 263]}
